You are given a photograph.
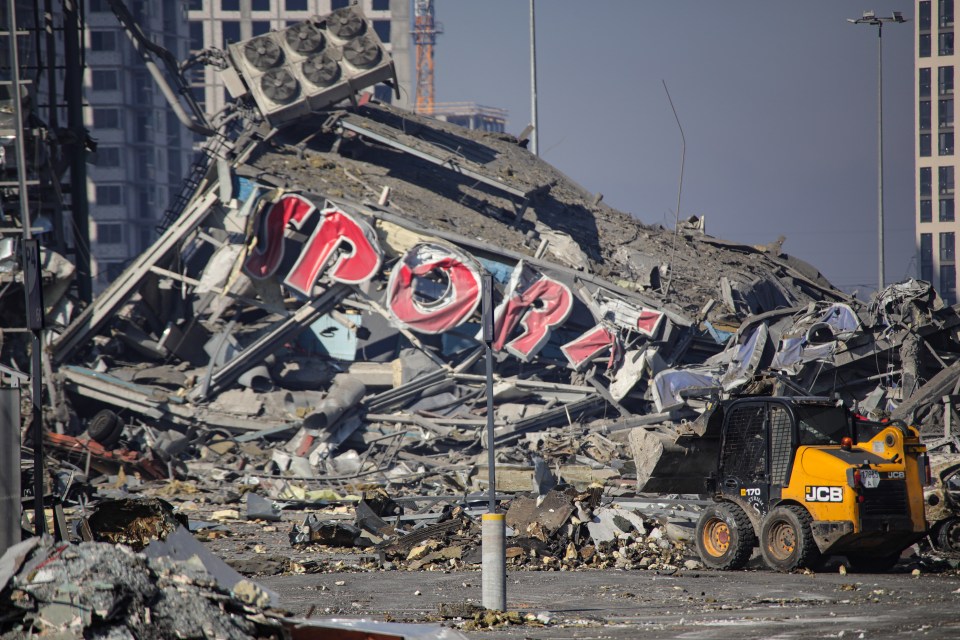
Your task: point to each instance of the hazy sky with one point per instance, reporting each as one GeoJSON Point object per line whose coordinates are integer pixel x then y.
{"type": "Point", "coordinates": [778, 102]}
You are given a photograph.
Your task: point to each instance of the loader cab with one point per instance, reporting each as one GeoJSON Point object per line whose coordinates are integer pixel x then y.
{"type": "Point", "coordinates": [758, 444]}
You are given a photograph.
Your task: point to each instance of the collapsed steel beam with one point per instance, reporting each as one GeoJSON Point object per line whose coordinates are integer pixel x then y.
{"type": "Point", "coordinates": [268, 343]}
{"type": "Point", "coordinates": [106, 305]}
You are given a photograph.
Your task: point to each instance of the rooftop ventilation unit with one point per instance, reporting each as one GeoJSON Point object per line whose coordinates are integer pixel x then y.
{"type": "Point", "coordinates": [310, 65]}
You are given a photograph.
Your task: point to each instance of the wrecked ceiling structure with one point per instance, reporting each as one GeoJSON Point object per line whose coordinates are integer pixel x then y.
{"type": "Point", "coordinates": [319, 287]}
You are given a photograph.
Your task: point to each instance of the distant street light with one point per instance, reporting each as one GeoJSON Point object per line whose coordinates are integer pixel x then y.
{"type": "Point", "coordinates": [870, 18]}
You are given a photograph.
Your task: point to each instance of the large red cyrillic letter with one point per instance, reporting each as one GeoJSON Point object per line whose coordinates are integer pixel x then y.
{"type": "Point", "coordinates": [595, 341]}
{"type": "Point", "coordinates": [268, 254]}
{"type": "Point", "coordinates": [452, 270]}
{"type": "Point", "coordinates": [334, 230]}
{"type": "Point", "coordinates": [538, 306]}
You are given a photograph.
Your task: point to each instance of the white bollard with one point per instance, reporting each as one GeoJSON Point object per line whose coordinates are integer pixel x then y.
{"type": "Point", "coordinates": [494, 568]}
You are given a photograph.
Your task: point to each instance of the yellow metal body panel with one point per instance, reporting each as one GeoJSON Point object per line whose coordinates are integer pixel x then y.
{"type": "Point", "coordinates": [819, 482]}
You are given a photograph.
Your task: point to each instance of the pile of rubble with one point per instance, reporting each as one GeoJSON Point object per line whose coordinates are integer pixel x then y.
{"type": "Point", "coordinates": [559, 530]}
{"type": "Point", "coordinates": [308, 322]}
{"type": "Point", "coordinates": [283, 304]}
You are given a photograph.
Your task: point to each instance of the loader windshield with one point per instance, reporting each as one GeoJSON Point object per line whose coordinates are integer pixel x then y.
{"type": "Point", "coordinates": [820, 424]}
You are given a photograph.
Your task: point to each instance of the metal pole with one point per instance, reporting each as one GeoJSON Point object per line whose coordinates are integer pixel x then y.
{"type": "Point", "coordinates": [493, 528]}
{"type": "Point", "coordinates": [73, 92]}
{"type": "Point", "coordinates": [533, 81]}
{"type": "Point", "coordinates": [880, 153]}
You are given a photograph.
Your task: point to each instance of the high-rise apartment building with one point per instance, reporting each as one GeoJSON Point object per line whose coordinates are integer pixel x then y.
{"type": "Point", "coordinates": [143, 150]}
{"type": "Point", "coordinates": [937, 162]}
{"type": "Point", "coordinates": [217, 23]}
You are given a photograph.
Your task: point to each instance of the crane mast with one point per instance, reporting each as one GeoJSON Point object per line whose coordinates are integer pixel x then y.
{"type": "Point", "coordinates": [425, 30]}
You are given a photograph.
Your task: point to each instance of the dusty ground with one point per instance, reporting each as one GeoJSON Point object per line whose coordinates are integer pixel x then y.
{"type": "Point", "coordinates": [603, 604]}
{"type": "Point", "coordinates": [619, 604]}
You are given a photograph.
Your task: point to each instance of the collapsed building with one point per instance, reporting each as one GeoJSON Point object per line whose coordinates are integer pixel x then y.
{"type": "Point", "coordinates": [318, 292]}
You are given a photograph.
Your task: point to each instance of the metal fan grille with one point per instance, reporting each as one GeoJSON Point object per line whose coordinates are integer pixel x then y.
{"type": "Point", "coordinates": [279, 85]}
{"type": "Point", "coordinates": [262, 53]}
{"type": "Point", "coordinates": [304, 38]}
{"type": "Point", "coordinates": [362, 52]}
{"type": "Point", "coordinates": [321, 70]}
{"type": "Point", "coordinates": [345, 23]}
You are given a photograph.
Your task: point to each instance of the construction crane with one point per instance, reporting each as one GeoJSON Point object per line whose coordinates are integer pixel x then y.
{"type": "Point", "coordinates": [425, 30]}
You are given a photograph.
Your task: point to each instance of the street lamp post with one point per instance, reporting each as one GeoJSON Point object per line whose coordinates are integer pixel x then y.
{"type": "Point", "coordinates": [870, 18]}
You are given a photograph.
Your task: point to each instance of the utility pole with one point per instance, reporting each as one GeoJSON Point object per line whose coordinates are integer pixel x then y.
{"type": "Point", "coordinates": [534, 147]}
{"type": "Point", "coordinates": [870, 18]}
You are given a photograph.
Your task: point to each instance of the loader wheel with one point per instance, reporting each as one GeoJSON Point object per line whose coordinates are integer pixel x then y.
{"type": "Point", "coordinates": [872, 564]}
{"type": "Point", "coordinates": [786, 540]}
{"type": "Point", "coordinates": [725, 537]}
{"type": "Point", "coordinates": [948, 535]}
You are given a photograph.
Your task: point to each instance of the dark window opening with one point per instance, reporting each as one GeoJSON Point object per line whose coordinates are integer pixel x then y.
{"type": "Point", "coordinates": [925, 145]}
{"type": "Point", "coordinates": [946, 210]}
{"type": "Point", "coordinates": [923, 45]}
{"type": "Point", "coordinates": [946, 43]}
{"type": "Point", "coordinates": [923, 15]}
{"type": "Point", "coordinates": [924, 114]}
{"type": "Point", "coordinates": [946, 144]}
{"type": "Point", "coordinates": [926, 211]}
{"type": "Point", "coordinates": [945, 80]}
{"type": "Point", "coordinates": [946, 13]}
{"type": "Point", "coordinates": [926, 181]}
{"type": "Point", "coordinates": [924, 81]}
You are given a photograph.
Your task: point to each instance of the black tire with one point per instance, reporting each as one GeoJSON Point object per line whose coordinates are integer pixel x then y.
{"type": "Point", "coordinates": [948, 535]}
{"type": "Point", "coordinates": [786, 539]}
{"type": "Point", "coordinates": [872, 564]}
{"type": "Point", "coordinates": [105, 427]}
{"type": "Point", "coordinates": [725, 537]}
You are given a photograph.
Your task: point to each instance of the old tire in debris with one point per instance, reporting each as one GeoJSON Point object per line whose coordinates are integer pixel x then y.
{"type": "Point", "coordinates": [872, 564]}
{"type": "Point", "coordinates": [786, 539]}
{"type": "Point", "coordinates": [725, 536]}
{"type": "Point", "coordinates": [105, 427]}
{"type": "Point", "coordinates": [947, 536]}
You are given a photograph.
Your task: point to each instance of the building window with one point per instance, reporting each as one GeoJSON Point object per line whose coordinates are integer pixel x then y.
{"type": "Point", "coordinates": [925, 145]}
{"type": "Point", "coordinates": [103, 41]}
{"type": "Point", "coordinates": [260, 27]}
{"type": "Point", "coordinates": [924, 81]}
{"type": "Point", "coordinates": [946, 246]}
{"type": "Point", "coordinates": [381, 5]}
{"type": "Point", "coordinates": [231, 31]}
{"type": "Point", "coordinates": [924, 115]}
{"type": "Point", "coordinates": [945, 180]}
{"type": "Point", "coordinates": [926, 211]}
{"type": "Point", "coordinates": [946, 13]}
{"type": "Point", "coordinates": [946, 144]}
{"type": "Point", "coordinates": [926, 257]}
{"type": "Point", "coordinates": [260, 5]}
{"type": "Point", "coordinates": [945, 80]}
{"type": "Point", "coordinates": [923, 44]}
{"type": "Point", "coordinates": [106, 118]}
{"type": "Point", "coordinates": [296, 5]}
{"type": "Point", "coordinates": [382, 27]}
{"type": "Point", "coordinates": [946, 43]}
{"type": "Point", "coordinates": [104, 80]}
{"type": "Point", "coordinates": [109, 232]}
{"type": "Point", "coordinates": [338, 4]}
{"type": "Point", "coordinates": [108, 157]}
{"type": "Point", "coordinates": [196, 35]}
{"type": "Point", "coordinates": [229, 5]}
{"type": "Point", "coordinates": [923, 15]}
{"type": "Point", "coordinates": [948, 283]}
{"type": "Point", "coordinates": [108, 195]}
{"type": "Point", "coordinates": [946, 210]}
{"type": "Point", "coordinates": [195, 5]}
{"type": "Point", "coordinates": [926, 181]}
{"type": "Point", "coordinates": [945, 112]}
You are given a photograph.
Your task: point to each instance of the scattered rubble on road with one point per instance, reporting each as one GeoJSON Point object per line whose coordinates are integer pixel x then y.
{"type": "Point", "coordinates": [299, 351]}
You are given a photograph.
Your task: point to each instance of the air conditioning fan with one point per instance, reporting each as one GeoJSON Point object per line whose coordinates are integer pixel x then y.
{"type": "Point", "coordinates": [312, 64]}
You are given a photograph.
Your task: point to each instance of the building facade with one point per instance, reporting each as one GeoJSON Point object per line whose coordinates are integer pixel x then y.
{"type": "Point", "coordinates": [143, 151]}
{"type": "Point", "coordinates": [937, 162]}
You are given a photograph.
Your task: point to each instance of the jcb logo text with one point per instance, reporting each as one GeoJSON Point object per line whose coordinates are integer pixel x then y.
{"type": "Point", "coordinates": [824, 494]}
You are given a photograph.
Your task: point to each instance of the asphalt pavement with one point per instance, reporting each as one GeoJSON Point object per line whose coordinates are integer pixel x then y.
{"type": "Point", "coordinates": [641, 604]}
